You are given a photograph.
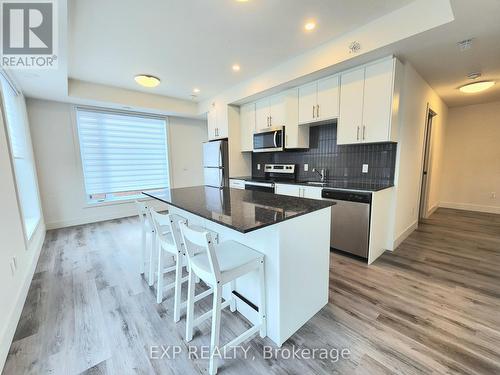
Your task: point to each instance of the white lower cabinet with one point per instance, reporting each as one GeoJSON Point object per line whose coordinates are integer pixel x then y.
{"type": "Point", "coordinates": [236, 184]}
{"type": "Point", "coordinates": [301, 191]}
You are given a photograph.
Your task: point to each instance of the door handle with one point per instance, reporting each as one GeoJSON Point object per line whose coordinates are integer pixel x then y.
{"type": "Point", "coordinates": [270, 120]}
{"type": "Point", "coordinates": [313, 111]}
{"type": "Point", "coordinates": [317, 110]}
{"type": "Point", "coordinates": [357, 134]}
{"type": "Point", "coordinates": [363, 132]}
{"type": "Point", "coordinates": [275, 139]}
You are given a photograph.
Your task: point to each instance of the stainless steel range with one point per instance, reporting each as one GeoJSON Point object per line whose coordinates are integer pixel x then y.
{"type": "Point", "coordinates": [273, 173]}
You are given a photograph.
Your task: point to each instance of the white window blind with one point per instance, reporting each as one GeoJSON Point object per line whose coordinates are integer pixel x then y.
{"type": "Point", "coordinates": [14, 109]}
{"type": "Point", "coordinates": [122, 153]}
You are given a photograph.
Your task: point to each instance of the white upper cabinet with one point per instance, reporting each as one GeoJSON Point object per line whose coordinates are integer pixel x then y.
{"type": "Point", "coordinates": [212, 123]}
{"type": "Point", "coordinates": [271, 112]}
{"type": "Point", "coordinates": [377, 103]}
{"type": "Point", "coordinates": [247, 119]}
{"type": "Point", "coordinates": [262, 114]}
{"type": "Point", "coordinates": [217, 125]}
{"type": "Point", "coordinates": [319, 101]}
{"type": "Point", "coordinates": [328, 98]}
{"type": "Point", "coordinates": [308, 99]}
{"type": "Point", "coordinates": [278, 110]}
{"type": "Point", "coordinates": [369, 100]}
{"type": "Point", "coordinates": [350, 122]}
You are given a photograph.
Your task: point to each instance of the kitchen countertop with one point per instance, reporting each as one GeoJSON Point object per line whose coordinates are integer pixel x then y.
{"type": "Point", "coordinates": [341, 185]}
{"type": "Point", "coordinates": [241, 210]}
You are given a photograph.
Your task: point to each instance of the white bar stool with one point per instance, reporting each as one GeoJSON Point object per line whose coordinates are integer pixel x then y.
{"type": "Point", "coordinates": [170, 242]}
{"type": "Point", "coordinates": [147, 228]}
{"type": "Point", "coordinates": [218, 265]}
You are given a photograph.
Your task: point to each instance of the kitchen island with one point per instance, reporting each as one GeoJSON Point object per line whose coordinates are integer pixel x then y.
{"type": "Point", "coordinates": [293, 234]}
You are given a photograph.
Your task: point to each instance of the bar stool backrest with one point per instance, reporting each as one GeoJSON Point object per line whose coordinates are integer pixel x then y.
{"type": "Point", "coordinates": [195, 239]}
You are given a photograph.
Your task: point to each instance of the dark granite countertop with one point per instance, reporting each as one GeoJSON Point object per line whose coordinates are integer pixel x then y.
{"type": "Point", "coordinates": [241, 210]}
{"type": "Point", "coordinates": [341, 185]}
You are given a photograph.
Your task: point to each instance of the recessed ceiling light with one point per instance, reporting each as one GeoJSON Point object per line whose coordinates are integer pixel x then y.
{"type": "Point", "coordinates": [147, 80]}
{"type": "Point", "coordinates": [309, 26]}
{"type": "Point", "coordinates": [236, 67]}
{"type": "Point", "coordinates": [241, 1]}
{"type": "Point", "coordinates": [196, 90]}
{"type": "Point", "coordinates": [472, 88]}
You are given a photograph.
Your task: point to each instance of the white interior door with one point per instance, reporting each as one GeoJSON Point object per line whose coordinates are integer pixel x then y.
{"type": "Point", "coordinates": [377, 104]}
{"type": "Point", "coordinates": [351, 107]}
{"type": "Point", "coordinates": [307, 103]}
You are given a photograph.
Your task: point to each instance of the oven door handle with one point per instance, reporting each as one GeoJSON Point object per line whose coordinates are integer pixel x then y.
{"type": "Point", "coordinates": [276, 138]}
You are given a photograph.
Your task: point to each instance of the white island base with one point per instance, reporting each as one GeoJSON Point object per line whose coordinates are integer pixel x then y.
{"type": "Point", "coordinates": [297, 262]}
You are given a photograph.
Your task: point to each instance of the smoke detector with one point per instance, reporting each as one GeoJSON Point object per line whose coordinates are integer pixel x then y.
{"type": "Point", "coordinates": [465, 44]}
{"type": "Point", "coordinates": [474, 75]}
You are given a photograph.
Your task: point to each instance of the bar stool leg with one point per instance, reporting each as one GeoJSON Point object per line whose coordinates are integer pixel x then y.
{"type": "Point", "coordinates": [214, 341]}
{"type": "Point", "coordinates": [151, 258]}
{"type": "Point", "coordinates": [159, 284]}
{"type": "Point", "coordinates": [190, 307]}
{"type": "Point", "coordinates": [232, 305]}
{"type": "Point", "coordinates": [178, 287]}
{"type": "Point", "coordinates": [143, 252]}
{"type": "Point", "coordinates": [262, 304]}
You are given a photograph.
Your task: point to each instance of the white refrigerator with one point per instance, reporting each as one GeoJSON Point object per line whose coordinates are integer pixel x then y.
{"type": "Point", "coordinates": [216, 164]}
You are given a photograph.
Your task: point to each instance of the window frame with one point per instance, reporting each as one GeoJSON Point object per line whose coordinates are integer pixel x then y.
{"type": "Point", "coordinates": [87, 202]}
{"type": "Point", "coordinates": [30, 156]}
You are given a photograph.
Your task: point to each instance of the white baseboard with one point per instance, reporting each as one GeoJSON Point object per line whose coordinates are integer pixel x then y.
{"type": "Point", "coordinates": [471, 207]}
{"type": "Point", "coordinates": [13, 320]}
{"type": "Point", "coordinates": [404, 235]}
{"type": "Point", "coordinates": [433, 209]}
{"type": "Point", "coordinates": [87, 220]}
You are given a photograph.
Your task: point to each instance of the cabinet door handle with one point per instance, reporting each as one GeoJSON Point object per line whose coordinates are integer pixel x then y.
{"type": "Point", "coordinates": [313, 112]}
{"type": "Point", "coordinates": [270, 120]}
{"type": "Point", "coordinates": [363, 132]}
{"type": "Point", "coordinates": [317, 110]}
{"type": "Point", "coordinates": [357, 134]}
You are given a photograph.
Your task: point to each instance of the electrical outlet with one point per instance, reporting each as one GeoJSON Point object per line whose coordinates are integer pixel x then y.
{"type": "Point", "coordinates": [306, 167]}
{"type": "Point", "coordinates": [365, 168]}
{"type": "Point", "coordinates": [493, 195]}
{"type": "Point", "coordinates": [258, 167]}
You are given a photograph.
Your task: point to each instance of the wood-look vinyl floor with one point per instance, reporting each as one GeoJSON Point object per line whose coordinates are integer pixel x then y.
{"type": "Point", "coordinates": [431, 307]}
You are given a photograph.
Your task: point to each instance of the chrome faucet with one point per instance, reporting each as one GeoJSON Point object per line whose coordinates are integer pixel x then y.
{"type": "Point", "coordinates": [322, 173]}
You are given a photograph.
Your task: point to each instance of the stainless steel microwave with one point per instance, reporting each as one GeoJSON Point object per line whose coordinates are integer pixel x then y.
{"type": "Point", "coordinates": [269, 140]}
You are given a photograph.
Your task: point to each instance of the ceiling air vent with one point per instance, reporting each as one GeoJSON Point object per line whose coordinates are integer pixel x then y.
{"type": "Point", "coordinates": [465, 44]}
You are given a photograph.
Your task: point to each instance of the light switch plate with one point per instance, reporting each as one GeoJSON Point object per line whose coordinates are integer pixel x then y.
{"type": "Point", "coordinates": [258, 167]}
{"type": "Point", "coordinates": [365, 168]}
{"type": "Point", "coordinates": [306, 167]}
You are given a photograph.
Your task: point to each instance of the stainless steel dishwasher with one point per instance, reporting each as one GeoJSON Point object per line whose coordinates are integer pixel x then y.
{"type": "Point", "coordinates": [350, 223]}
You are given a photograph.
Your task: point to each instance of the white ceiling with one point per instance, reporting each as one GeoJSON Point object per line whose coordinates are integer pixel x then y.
{"type": "Point", "coordinates": [193, 43]}
{"type": "Point", "coordinates": [438, 59]}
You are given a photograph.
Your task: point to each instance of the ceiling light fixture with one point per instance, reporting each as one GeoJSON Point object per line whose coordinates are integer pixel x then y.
{"type": "Point", "coordinates": [147, 80]}
{"type": "Point", "coordinates": [196, 90]}
{"type": "Point", "coordinates": [475, 87]}
{"type": "Point", "coordinates": [236, 67]}
{"type": "Point", "coordinates": [309, 26]}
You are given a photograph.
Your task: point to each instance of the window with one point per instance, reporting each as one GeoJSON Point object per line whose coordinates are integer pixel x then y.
{"type": "Point", "coordinates": [14, 111]}
{"type": "Point", "coordinates": [122, 154]}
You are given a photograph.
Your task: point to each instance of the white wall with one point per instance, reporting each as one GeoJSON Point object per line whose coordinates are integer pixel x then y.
{"type": "Point", "coordinates": [472, 158]}
{"type": "Point", "coordinates": [415, 95]}
{"type": "Point", "coordinates": [13, 288]}
{"type": "Point", "coordinates": [60, 174]}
